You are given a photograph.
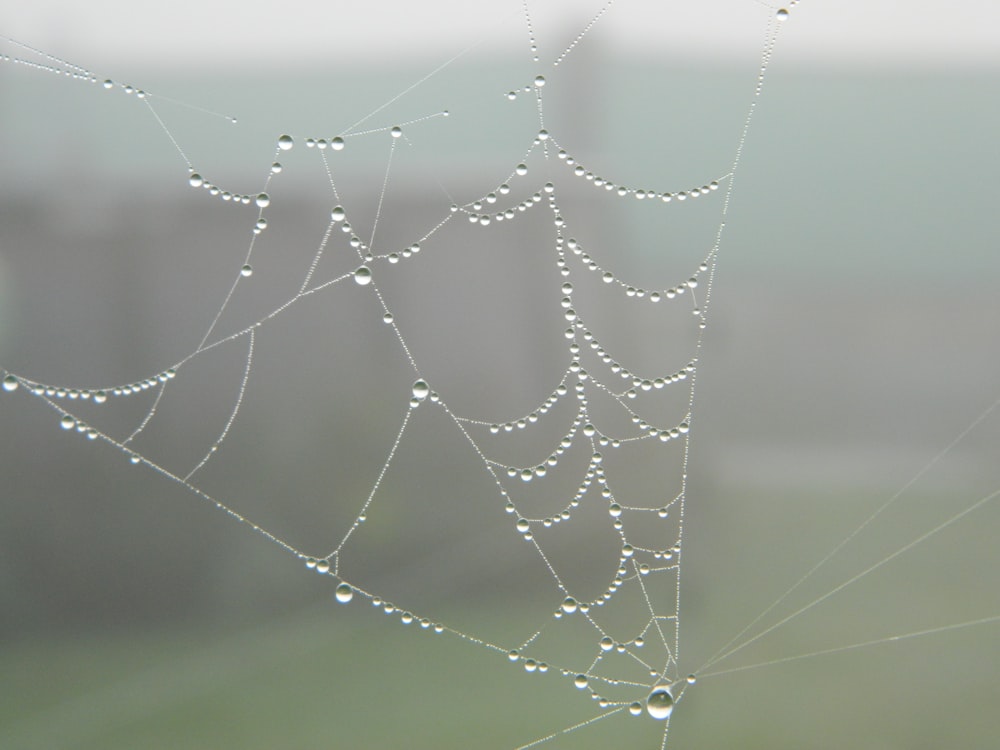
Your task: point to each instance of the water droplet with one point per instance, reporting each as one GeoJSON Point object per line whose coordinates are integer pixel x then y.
{"type": "Point", "coordinates": [521, 169]}
{"type": "Point", "coordinates": [344, 593]}
{"type": "Point", "coordinates": [660, 702]}
{"type": "Point", "coordinates": [396, 131]}
{"type": "Point", "coordinates": [337, 144]}
{"type": "Point", "coordinates": [635, 708]}
{"type": "Point", "coordinates": [247, 270]}
{"type": "Point", "coordinates": [569, 605]}
{"type": "Point", "coordinates": [539, 81]}
{"type": "Point", "coordinates": [263, 200]}
{"type": "Point", "coordinates": [522, 525]}
{"type": "Point", "coordinates": [10, 383]}
{"type": "Point", "coordinates": [606, 643]}
{"type": "Point", "coordinates": [363, 276]}
{"type": "Point", "coordinates": [421, 390]}
{"type": "Point", "coordinates": [196, 180]}
{"type": "Point", "coordinates": [782, 14]}
{"type": "Point", "coordinates": [285, 142]}
{"type": "Point", "coordinates": [512, 655]}
{"type": "Point", "coordinates": [108, 83]}
{"type": "Point", "coordinates": [580, 681]}
{"type": "Point", "coordinates": [67, 422]}
{"type": "Point", "coordinates": [322, 566]}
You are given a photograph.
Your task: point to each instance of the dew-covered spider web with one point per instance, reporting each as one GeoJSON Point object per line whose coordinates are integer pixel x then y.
{"type": "Point", "coordinates": [440, 349]}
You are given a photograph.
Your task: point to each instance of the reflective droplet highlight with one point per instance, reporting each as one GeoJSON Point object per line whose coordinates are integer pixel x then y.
{"type": "Point", "coordinates": [660, 703]}
{"type": "Point", "coordinates": [421, 390]}
{"type": "Point", "coordinates": [363, 276]}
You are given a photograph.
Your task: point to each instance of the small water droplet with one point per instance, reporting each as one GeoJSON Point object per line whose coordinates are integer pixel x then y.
{"type": "Point", "coordinates": [396, 131]}
{"type": "Point", "coordinates": [322, 566]}
{"type": "Point", "coordinates": [606, 643]}
{"type": "Point", "coordinates": [285, 142]}
{"type": "Point", "coordinates": [660, 703]}
{"type": "Point", "coordinates": [10, 383]}
{"type": "Point", "coordinates": [67, 422]}
{"type": "Point", "coordinates": [344, 593]}
{"type": "Point", "coordinates": [421, 390]}
{"type": "Point", "coordinates": [363, 276]}
{"type": "Point", "coordinates": [635, 709]}
{"type": "Point", "coordinates": [539, 81]}
{"type": "Point", "coordinates": [247, 270]}
{"type": "Point", "coordinates": [782, 14]}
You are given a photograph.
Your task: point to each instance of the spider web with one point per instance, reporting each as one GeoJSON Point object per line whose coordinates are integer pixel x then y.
{"type": "Point", "coordinates": [566, 485]}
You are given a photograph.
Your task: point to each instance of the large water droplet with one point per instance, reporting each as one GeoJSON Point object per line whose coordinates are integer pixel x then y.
{"type": "Point", "coordinates": [337, 144]}
{"type": "Point", "coordinates": [782, 14]}
{"type": "Point", "coordinates": [285, 142]}
{"type": "Point", "coordinates": [660, 702]}
{"type": "Point", "coordinates": [569, 605]}
{"type": "Point", "coordinates": [421, 390]}
{"type": "Point", "coordinates": [10, 383]}
{"type": "Point", "coordinates": [263, 200]}
{"type": "Point", "coordinates": [196, 180]}
{"type": "Point", "coordinates": [338, 213]}
{"type": "Point", "coordinates": [580, 681]}
{"type": "Point", "coordinates": [67, 422]}
{"type": "Point", "coordinates": [363, 276]}
{"type": "Point", "coordinates": [247, 270]}
{"type": "Point", "coordinates": [344, 593]}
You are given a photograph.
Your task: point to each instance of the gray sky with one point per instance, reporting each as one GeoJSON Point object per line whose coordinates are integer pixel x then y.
{"type": "Point", "coordinates": [108, 33]}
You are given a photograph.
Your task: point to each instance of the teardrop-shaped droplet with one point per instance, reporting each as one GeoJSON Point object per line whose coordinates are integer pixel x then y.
{"type": "Point", "coordinates": [660, 703]}
{"type": "Point", "coordinates": [344, 593]}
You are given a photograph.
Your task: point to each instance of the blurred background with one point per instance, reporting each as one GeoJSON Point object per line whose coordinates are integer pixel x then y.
{"type": "Point", "coordinates": [852, 335]}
